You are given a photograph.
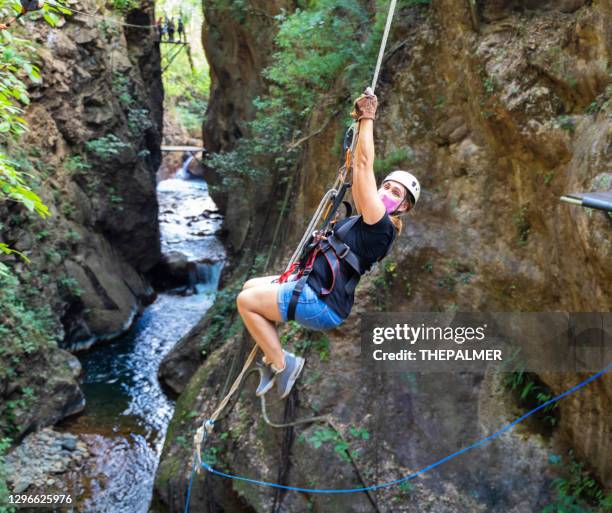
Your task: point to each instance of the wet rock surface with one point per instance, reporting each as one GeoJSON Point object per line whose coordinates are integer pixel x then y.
{"type": "Point", "coordinates": [40, 463]}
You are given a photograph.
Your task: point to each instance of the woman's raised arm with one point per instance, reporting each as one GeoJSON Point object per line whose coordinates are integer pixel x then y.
{"type": "Point", "coordinates": [365, 192]}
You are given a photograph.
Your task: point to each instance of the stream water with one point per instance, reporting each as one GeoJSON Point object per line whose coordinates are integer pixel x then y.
{"type": "Point", "coordinates": [126, 415]}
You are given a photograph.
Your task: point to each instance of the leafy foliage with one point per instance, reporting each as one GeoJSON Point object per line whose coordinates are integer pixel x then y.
{"type": "Point", "coordinates": [531, 392]}
{"type": "Point", "coordinates": [107, 146]}
{"type": "Point", "coordinates": [23, 330]}
{"type": "Point", "coordinates": [13, 94]}
{"type": "Point", "coordinates": [342, 447]}
{"type": "Point", "coordinates": [522, 224]}
{"type": "Point", "coordinates": [382, 166]}
{"type": "Point", "coordinates": [15, 68]}
{"type": "Point", "coordinates": [124, 6]}
{"type": "Point", "coordinates": [186, 88]}
{"type": "Point", "coordinates": [577, 491]}
{"type": "Point", "coordinates": [4, 491]}
{"type": "Point", "coordinates": [186, 92]}
{"type": "Point", "coordinates": [325, 53]}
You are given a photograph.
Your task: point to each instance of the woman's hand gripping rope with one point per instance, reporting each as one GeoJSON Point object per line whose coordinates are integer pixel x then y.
{"type": "Point", "coordinates": [365, 106]}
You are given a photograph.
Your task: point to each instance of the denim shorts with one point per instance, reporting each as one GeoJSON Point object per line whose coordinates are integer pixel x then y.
{"type": "Point", "coordinates": [310, 311]}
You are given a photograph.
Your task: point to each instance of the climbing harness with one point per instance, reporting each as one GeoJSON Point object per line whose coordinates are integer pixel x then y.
{"type": "Point", "coordinates": [334, 249]}
{"type": "Point", "coordinates": [598, 200]}
{"type": "Point", "coordinates": [437, 463]}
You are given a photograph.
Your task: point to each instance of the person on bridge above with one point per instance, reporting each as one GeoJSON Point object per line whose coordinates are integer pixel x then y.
{"type": "Point", "coordinates": [181, 29]}
{"type": "Point", "coordinates": [327, 297]}
{"type": "Point", "coordinates": [171, 30]}
{"type": "Point", "coordinates": [26, 7]}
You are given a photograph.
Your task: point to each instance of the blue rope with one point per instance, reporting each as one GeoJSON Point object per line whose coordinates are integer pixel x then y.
{"type": "Point", "coordinates": [417, 473]}
{"type": "Point", "coordinates": [195, 463]}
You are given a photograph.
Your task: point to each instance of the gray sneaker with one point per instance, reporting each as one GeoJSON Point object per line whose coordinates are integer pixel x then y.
{"type": "Point", "coordinates": [266, 378]}
{"type": "Point", "coordinates": [287, 377]}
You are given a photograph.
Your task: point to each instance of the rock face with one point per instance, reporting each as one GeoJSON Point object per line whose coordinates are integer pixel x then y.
{"type": "Point", "coordinates": [96, 119]}
{"type": "Point", "coordinates": [505, 109]}
{"type": "Point", "coordinates": [93, 147]}
{"type": "Point", "coordinates": [42, 461]}
{"type": "Point", "coordinates": [234, 38]}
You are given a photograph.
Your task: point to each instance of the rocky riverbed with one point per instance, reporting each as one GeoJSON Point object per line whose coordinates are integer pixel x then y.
{"type": "Point", "coordinates": [43, 460]}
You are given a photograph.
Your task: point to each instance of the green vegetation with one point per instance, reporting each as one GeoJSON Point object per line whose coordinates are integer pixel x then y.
{"type": "Point", "coordinates": [122, 87]}
{"type": "Point", "coordinates": [23, 330]}
{"type": "Point", "coordinates": [530, 392]}
{"type": "Point", "coordinates": [4, 491]}
{"type": "Point", "coordinates": [326, 434]}
{"type": "Point", "coordinates": [186, 87]}
{"type": "Point", "coordinates": [76, 164]}
{"type": "Point", "coordinates": [68, 209]}
{"type": "Point", "coordinates": [304, 340]}
{"type": "Point", "coordinates": [408, 289]}
{"type": "Point", "coordinates": [124, 6]}
{"type": "Point", "coordinates": [440, 102]}
{"type": "Point", "coordinates": [73, 236]}
{"type": "Point", "coordinates": [577, 491]}
{"type": "Point", "coordinates": [522, 225]}
{"type": "Point", "coordinates": [549, 176]}
{"type": "Point", "coordinates": [490, 85]}
{"type": "Point", "coordinates": [324, 52]}
{"type": "Point", "coordinates": [383, 166]}
{"type": "Point", "coordinates": [115, 199]}
{"type": "Point", "coordinates": [68, 286]}
{"type": "Point", "coordinates": [592, 108]}
{"type": "Point", "coordinates": [458, 274]}
{"type": "Point", "coordinates": [15, 69]}
{"type": "Point", "coordinates": [138, 121]}
{"type": "Point", "coordinates": [107, 146]}
{"type": "Point", "coordinates": [382, 283]}
{"type": "Point", "coordinates": [186, 92]}
{"type": "Point", "coordinates": [567, 123]}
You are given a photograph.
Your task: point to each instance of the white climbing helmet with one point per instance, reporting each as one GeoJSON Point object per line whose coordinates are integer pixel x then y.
{"type": "Point", "coordinates": [408, 180]}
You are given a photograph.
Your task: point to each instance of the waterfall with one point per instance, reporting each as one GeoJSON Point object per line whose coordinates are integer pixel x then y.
{"type": "Point", "coordinates": [184, 173]}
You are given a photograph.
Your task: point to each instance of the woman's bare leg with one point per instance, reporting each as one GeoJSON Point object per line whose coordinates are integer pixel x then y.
{"type": "Point", "coordinates": [258, 308]}
{"type": "Point", "coordinates": [262, 280]}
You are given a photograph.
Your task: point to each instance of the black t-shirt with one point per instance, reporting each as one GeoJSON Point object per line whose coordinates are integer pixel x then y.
{"type": "Point", "coordinates": [370, 242]}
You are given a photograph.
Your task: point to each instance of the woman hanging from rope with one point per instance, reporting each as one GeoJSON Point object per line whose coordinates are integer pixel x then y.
{"type": "Point", "coordinates": [327, 297]}
{"type": "Point", "coordinates": [26, 7]}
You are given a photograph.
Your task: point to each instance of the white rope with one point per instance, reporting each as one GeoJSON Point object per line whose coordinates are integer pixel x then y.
{"type": "Point", "coordinates": [383, 44]}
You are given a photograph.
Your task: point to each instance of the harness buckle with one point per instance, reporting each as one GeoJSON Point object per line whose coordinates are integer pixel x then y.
{"type": "Point", "coordinates": [345, 251]}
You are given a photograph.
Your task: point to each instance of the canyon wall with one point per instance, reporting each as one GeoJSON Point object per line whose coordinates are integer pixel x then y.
{"type": "Point", "coordinates": [499, 107]}
{"type": "Point", "coordinates": [92, 149]}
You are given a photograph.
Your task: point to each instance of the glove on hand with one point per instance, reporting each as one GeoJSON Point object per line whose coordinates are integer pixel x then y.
{"type": "Point", "coordinates": [365, 106]}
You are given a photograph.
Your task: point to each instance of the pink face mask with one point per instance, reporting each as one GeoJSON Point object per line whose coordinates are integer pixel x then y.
{"type": "Point", "coordinates": [390, 203]}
